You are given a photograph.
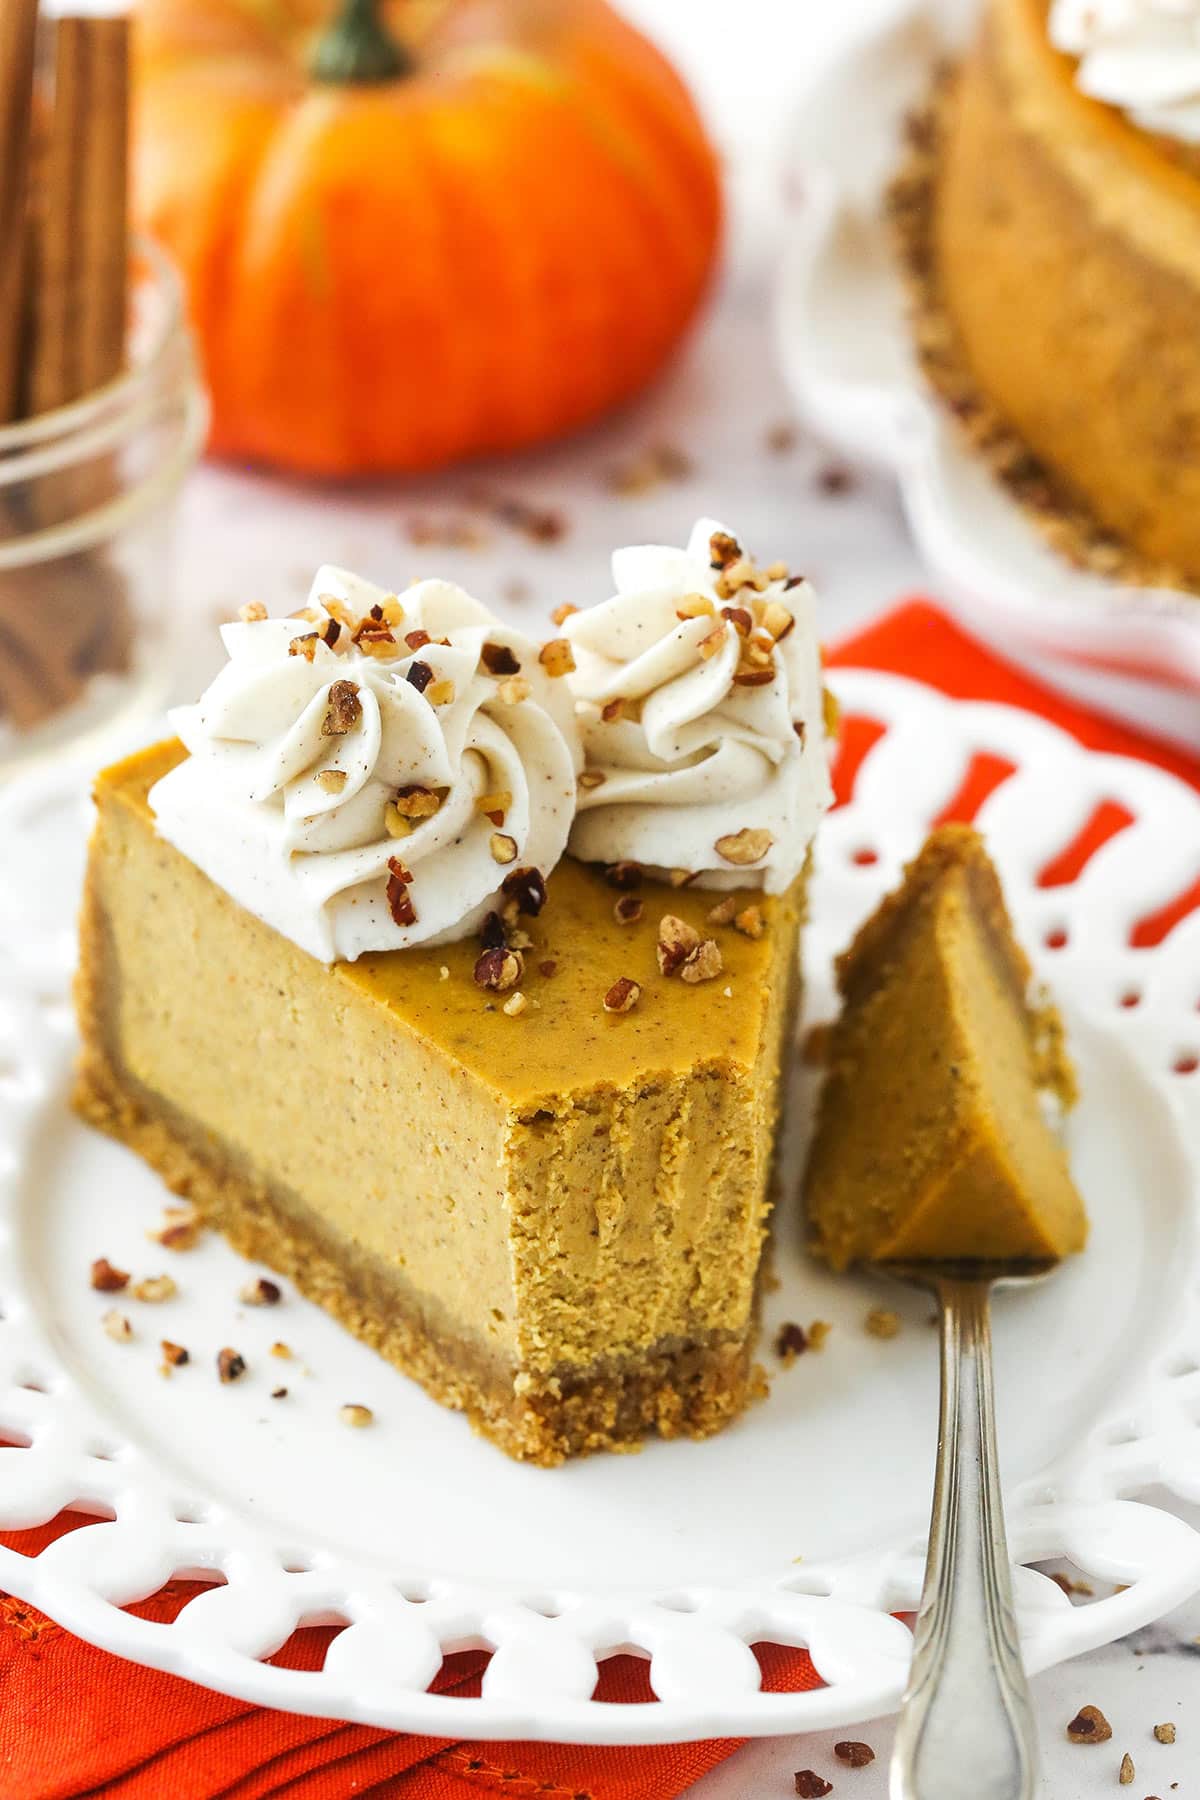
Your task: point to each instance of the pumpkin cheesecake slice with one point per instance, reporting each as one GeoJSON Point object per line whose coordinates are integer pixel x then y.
{"type": "Point", "coordinates": [506, 1114]}
{"type": "Point", "coordinates": [932, 1141]}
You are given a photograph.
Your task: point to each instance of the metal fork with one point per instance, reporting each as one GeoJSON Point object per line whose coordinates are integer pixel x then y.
{"type": "Point", "coordinates": [966, 1723]}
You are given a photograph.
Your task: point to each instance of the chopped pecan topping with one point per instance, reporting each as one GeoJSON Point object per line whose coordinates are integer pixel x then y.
{"type": "Point", "coordinates": [676, 941]}
{"type": "Point", "coordinates": [613, 710]}
{"type": "Point", "coordinates": [331, 631]}
{"type": "Point", "coordinates": [738, 576]}
{"type": "Point", "coordinates": [818, 1331]}
{"type": "Point", "coordinates": [419, 676]}
{"type": "Point", "coordinates": [440, 693]}
{"type": "Point", "coordinates": [882, 1322]}
{"type": "Point", "coordinates": [627, 909]}
{"type": "Point", "coordinates": [801, 731]}
{"type": "Point", "coordinates": [777, 619]}
{"type": "Point", "coordinates": [377, 641]}
{"type": "Point", "coordinates": [1089, 1726]}
{"type": "Point", "coordinates": [499, 659]}
{"type": "Point", "coordinates": [499, 969]}
{"type": "Point", "coordinates": [332, 780]}
{"type": "Point", "coordinates": [592, 778]}
{"type": "Point", "coordinates": [154, 1288]}
{"type": "Point", "coordinates": [494, 806]}
{"type": "Point", "coordinates": [252, 613]}
{"type": "Point", "coordinates": [623, 995]}
{"type": "Point", "coordinates": [513, 689]}
{"type": "Point", "coordinates": [527, 888]}
{"type": "Point", "coordinates": [1165, 1734]}
{"type": "Point", "coordinates": [562, 613]}
{"type": "Point", "coordinates": [394, 822]}
{"type": "Point", "coordinates": [712, 640]}
{"type": "Point", "coordinates": [305, 645]}
{"type": "Point", "coordinates": [491, 932]}
{"type": "Point", "coordinates": [777, 571]}
{"type": "Point", "coordinates": [750, 922]}
{"type": "Point", "coordinates": [261, 1292]}
{"type": "Point", "coordinates": [741, 620]}
{"type": "Point", "coordinates": [418, 802]}
{"type": "Point", "coordinates": [854, 1753]}
{"type": "Point", "coordinates": [723, 912]}
{"type": "Point", "coordinates": [279, 1393]}
{"type": "Point", "coordinates": [174, 1355]}
{"type": "Point", "coordinates": [557, 657]}
{"type": "Point", "coordinates": [752, 677]}
{"type": "Point", "coordinates": [503, 847]}
{"type": "Point", "coordinates": [623, 874]}
{"type": "Point", "coordinates": [283, 1350]}
{"type": "Point", "coordinates": [337, 609]}
{"type": "Point", "coordinates": [399, 903]}
{"type": "Point", "coordinates": [345, 709]}
{"type": "Point", "coordinates": [1126, 1772]}
{"type": "Point", "coordinates": [790, 1342]}
{"type": "Point", "coordinates": [695, 606]}
{"type": "Point", "coordinates": [681, 877]}
{"type": "Point", "coordinates": [704, 963]}
{"type": "Point", "coordinates": [723, 549]}
{"type": "Point", "coordinates": [230, 1365]}
{"type": "Point", "coordinates": [117, 1326]}
{"type": "Point", "coordinates": [417, 640]}
{"type": "Point", "coordinates": [392, 611]}
{"type": "Point", "coordinates": [515, 1005]}
{"type": "Point", "coordinates": [744, 847]}
{"type": "Point", "coordinates": [106, 1278]}
{"type": "Point", "coordinates": [355, 1415]}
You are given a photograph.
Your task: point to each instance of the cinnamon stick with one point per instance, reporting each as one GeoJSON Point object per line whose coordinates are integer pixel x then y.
{"type": "Point", "coordinates": [78, 325]}
{"type": "Point", "coordinates": [18, 25]}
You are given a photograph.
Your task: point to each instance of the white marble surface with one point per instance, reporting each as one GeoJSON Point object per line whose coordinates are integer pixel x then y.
{"type": "Point", "coordinates": [251, 537]}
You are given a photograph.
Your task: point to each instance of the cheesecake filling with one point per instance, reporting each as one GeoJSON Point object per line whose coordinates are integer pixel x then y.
{"type": "Point", "coordinates": [1142, 56]}
{"type": "Point", "coordinates": [368, 774]}
{"type": "Point", "coordinates": [701, 711]}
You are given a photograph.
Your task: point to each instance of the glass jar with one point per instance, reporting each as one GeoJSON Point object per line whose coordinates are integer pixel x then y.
{"type": "Point", "coordinates": [88, 498]}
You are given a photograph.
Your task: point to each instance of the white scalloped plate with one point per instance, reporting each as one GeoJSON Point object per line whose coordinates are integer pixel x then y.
{"type": "Point", "coordinates": [803, 1524]}
{"type": "Point", "coordinates": [847, 355]}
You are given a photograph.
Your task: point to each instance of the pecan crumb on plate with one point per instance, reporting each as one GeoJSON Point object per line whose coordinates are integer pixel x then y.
{"type": "Point", "coordinates": [106, 1279]}
{"type": "Point", "coordinates": [1089, 1726]}
{"type": "Point", "coordinates": [854, 1753]}
{"type": "Point", "coordinates": [810, 1785]}
{"type": "Point", "coordinates": [154, 1288]}
{"type": "Point", "coordinates": [261, 1292]}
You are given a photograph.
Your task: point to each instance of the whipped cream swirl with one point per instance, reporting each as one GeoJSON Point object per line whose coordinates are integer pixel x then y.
{"type": "Point", "coordinates": [700, 703]}
{"type": "Point", "coordinates": [1140, 55]}
{"type": "Point", "coordinates": [367, 783]}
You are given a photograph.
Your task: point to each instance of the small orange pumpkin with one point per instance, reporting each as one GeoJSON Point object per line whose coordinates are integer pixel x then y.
{"type": "Point", "coordinates": [421, 230]}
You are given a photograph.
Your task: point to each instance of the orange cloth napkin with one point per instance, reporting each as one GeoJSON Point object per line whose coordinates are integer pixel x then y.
{"type": "Point", "coordinates": [77, 1722]}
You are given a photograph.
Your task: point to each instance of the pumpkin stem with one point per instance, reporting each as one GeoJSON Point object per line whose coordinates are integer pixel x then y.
{"type": "Point", "coordinates": [357, 48]}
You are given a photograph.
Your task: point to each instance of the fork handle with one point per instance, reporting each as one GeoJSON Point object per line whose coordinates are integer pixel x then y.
{"type": "Point", "coordinates": [967, 1719]}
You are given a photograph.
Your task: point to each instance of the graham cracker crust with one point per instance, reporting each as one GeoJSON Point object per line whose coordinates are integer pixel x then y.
{"type": "Point", "coordinates": [1058, 515]}
{"type": "Point", "coordinates": [675, 1389]}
